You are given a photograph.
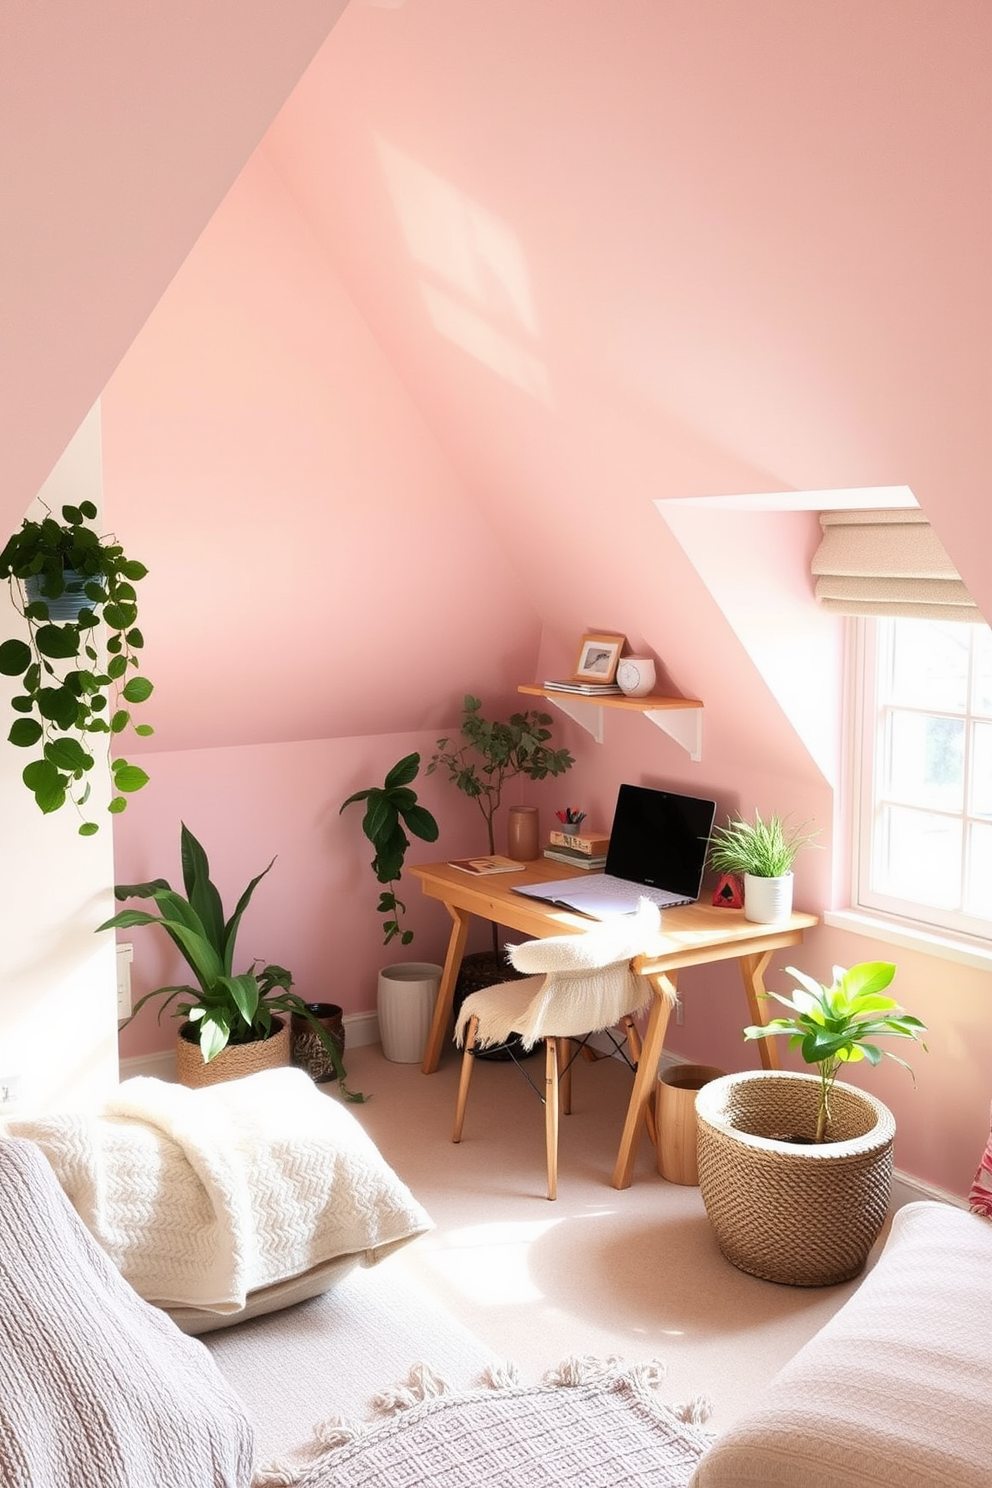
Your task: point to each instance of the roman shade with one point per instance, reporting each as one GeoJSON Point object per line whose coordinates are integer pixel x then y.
{"type": "Point", "coordinates": [888, 562]}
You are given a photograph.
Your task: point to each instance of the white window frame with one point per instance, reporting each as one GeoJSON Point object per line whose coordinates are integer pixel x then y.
{"type": "Point", "coordinates": [930, 920]}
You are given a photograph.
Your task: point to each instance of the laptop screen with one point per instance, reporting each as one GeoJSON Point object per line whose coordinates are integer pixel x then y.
{"type": "Point", "coordinates": [659, 838]}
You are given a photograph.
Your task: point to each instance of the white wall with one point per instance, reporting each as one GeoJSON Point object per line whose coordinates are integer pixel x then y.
{"type": "Point", "coordinates": [58, 999]}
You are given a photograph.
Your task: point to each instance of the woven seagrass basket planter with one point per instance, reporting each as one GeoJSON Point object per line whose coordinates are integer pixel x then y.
{"type": "Point", "coordinates": [234, 1062]}
{"type": "Point", "coordinates": [796, 1212]}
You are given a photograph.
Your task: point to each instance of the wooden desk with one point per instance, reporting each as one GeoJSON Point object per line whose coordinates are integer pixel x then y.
{"type": "Point", "coordinates": [694, 934]}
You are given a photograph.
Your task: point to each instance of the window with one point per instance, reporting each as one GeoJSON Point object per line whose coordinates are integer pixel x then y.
{"type": "Point", "coordinates": [924, 836]}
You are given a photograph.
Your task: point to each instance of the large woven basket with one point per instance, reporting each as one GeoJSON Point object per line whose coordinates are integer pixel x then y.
{"type": "Point", "coordinates": [802, 1213]}
{"type": "Point", "coordinates": [234, 1062]}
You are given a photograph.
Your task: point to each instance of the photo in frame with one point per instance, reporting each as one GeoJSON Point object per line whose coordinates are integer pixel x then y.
{"type": "Point", "coordinates": [598, 658]}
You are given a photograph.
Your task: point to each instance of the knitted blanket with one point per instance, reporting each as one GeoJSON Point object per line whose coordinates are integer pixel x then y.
{"type": "Point", "coordinates": [203, 1196]}
{"type": "Point", "coordinates": [589, 1424]}
{"type": "Point", "coordinates": [587, 982]}
{"type": "Point", "coordinates": [97, 1389]}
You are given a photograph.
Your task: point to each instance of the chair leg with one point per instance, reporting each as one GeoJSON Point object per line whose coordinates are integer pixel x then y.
{"type": "Point", "coordinates": [634, 1045]}
{"type": "Point", "coordinates": [551, 1113]}
{"type": "Point", "coordinates": [565, 1075]}
{"type": "Point", "coordinates": [468, 1060]}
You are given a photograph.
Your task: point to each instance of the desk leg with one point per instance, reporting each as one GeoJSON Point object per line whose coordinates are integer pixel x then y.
{"type": "Point", "coordinates": [646, 1077]}
{"type": "Point", "coordinates": [753, 971]}
{"type": "Point", "coordinates": [446, 989]}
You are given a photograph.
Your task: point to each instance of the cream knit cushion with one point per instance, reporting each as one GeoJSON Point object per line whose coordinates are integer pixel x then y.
{"type": "Point", "coordinates": [895, 1391]}
{"type": "Point", "coordinates": [97, 1388]}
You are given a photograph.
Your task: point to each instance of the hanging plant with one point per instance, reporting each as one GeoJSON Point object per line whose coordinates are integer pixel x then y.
{"type": "Point", "coordinates": [64, 580]}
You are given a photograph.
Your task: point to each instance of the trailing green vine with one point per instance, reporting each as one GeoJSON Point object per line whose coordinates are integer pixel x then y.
{"type": "Point", "coordinates": [71, 693]}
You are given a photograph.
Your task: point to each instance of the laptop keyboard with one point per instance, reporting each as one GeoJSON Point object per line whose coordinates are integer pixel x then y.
{"type": "Point", "coordinates": [608, 886]}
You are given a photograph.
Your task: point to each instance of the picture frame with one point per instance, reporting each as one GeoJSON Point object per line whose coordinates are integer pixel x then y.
{"type": "Point", "coordinates": [598, 657]}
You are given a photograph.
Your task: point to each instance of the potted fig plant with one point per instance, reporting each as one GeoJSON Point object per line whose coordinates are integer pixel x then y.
{"type": "Point", "coordinates": [481, 763]}
{"type": "Point", "coordinates": [762, 854]}
{"type": "Point", "coordinates": [795, 1169]}
{"type": "Point", "coordinates": [231, 1019]}
{"type": "Point", "coordinates": [492, 753]}
{"type": "Point", "coordinates": [64, 580]}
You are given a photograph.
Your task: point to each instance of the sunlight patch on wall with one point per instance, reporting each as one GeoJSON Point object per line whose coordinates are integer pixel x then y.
{"type": "Point", "coordinates": [475, 283]}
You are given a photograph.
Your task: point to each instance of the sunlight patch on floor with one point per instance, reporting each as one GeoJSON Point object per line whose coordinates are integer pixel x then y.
{"type": "Point", "coordinates": [490, 1263]}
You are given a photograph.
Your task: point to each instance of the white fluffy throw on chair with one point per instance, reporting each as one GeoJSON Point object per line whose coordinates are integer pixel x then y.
{"type": "Point", "coordinates": [585, 982]}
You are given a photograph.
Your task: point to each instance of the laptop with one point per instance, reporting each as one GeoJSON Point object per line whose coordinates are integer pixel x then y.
{"type": "Point", "coordinates": [657, 851]}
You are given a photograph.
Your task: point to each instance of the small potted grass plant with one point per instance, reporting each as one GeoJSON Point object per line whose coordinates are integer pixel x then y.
{"type": "Point", "coordinates": [761, 852]}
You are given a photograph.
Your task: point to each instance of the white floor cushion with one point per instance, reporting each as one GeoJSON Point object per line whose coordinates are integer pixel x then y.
{"type": "Point", "coordinates": [896, 1390]}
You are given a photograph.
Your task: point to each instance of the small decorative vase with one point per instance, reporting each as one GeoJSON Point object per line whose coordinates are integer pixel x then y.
{"type": "Point", "coordinates": [636, 675]}
{"type": "Point", "coordinates": [309, 1053]}
{"type": "Point", "coordinates": [523, 834]}
{"type": "Point", "coordinates": [767, 900]}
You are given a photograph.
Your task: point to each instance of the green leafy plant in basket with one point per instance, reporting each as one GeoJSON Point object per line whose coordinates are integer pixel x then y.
{"type": "Point", "coordinates": [224, 1006]}
{"type": "Point", "coordinates": [388, 809]}
{"type": "Point", "coordinates": [64, 580]}
{"type": "Point", "coordinates": [835, 1025]}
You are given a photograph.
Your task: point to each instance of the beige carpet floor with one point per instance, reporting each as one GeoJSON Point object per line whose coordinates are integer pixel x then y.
{"type": "Point", "coordinates": [508, 1275]}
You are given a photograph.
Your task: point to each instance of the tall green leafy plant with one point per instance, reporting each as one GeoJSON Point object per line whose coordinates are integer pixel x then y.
{"type": "Point", "coordinates": [492, 753]}
{"type": "Point", "coordinates": [226, 1007]}
{"type": "Point", "coordinates": [64, 580]}
{"type": "Point", "coordinates": [835, 1025]}
{"type": "Point", "coordinates": [388, 809]}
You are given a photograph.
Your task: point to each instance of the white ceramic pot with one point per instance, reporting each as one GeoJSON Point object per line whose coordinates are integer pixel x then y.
{"type": "Point", "coordinates": [405, 1004]}
{"type": "Point", "coordinates": [636, 675]}
{"type": "Point", "coordinates": [767, 900]}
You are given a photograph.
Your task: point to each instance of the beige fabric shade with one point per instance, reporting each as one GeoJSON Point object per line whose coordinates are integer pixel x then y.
{"type": "Point", "coordinates": [888, 561]}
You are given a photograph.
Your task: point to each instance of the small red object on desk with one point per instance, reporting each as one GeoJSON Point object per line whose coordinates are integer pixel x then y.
{"type": "Point", "coordinates": [729, 892]}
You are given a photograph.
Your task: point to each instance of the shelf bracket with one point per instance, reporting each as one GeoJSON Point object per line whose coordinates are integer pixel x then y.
{"type": "Point", "coordinates": [587, 715]}
{"type": "Point", "coordinates": [684, 725]}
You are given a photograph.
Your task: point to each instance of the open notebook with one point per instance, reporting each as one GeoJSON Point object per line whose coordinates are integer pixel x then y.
{"type": "Point", "coordinates": [658, 844]}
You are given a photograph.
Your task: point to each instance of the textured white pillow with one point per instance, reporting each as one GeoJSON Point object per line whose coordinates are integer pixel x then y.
{"type": "Point", "coordinates": [894, 1391]}
{"type": "Point", "coordinates": [97, 1388]}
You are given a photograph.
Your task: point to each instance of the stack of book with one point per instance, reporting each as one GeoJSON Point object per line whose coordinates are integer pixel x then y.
{"type": "Point", "coordinates": [583, 849]}
{"type": "Point", "coordinates": [584, 689]}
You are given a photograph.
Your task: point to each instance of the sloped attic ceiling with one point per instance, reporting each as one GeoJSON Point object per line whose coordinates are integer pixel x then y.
{"type": "Point", "coordinates": [622, 252]}
{"type": "Point", "coordinates": [123, 127]}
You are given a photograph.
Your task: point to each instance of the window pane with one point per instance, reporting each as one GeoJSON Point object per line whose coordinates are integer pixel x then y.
{"type": "Point", "coordinates": [930, 664]}
{"type": "Point", "coordinates": [982, 700]}
{"type": "Point", "coordinates": [918, 857]}
{"type": "Point", "coordinates": [978, 888]}
{"type": "Point", "coordinates": [981, 770]}
{"type": "Point", "coordinates": [925, 761]}
{"type": "Point", "coordinates": [979, 880]}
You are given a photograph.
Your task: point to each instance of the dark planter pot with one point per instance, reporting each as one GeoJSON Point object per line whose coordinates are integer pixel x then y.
{"type": "Point", "coordinates": [309, 1053]}
{"type": "Point", "coordinates": [483, 969]}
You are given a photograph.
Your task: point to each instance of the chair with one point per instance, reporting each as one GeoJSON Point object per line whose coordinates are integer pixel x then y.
{"type": "Point", "coordinates": [580, 984]}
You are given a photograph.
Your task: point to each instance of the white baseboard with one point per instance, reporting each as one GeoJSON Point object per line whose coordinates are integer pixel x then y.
{"type": "Point", "coordinates": [359, 1029]}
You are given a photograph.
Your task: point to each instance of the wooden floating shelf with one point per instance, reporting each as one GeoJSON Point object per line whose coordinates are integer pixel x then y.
{"type": "Point", "coordinates": [680, 718]}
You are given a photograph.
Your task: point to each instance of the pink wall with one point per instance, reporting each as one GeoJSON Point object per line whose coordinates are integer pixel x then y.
{"type": "Point", "coordinates": [500, 277]}
{"type": "Point", "coordinates": [123, 127]}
